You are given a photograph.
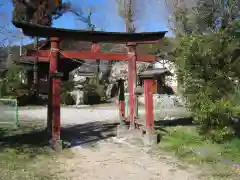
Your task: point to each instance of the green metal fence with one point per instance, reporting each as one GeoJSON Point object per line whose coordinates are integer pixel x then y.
{"type": "Point", "coordinates": [9, 113]}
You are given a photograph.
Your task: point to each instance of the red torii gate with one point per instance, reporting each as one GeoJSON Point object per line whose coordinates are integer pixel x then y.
{"type": "Point", "coordinates": [52, 56]}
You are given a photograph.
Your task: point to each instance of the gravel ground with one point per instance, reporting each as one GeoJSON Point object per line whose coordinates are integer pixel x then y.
{"type": "Point", "coordinates": [109, 157]}
{"type": "Point", "coordinates": [71, 116]}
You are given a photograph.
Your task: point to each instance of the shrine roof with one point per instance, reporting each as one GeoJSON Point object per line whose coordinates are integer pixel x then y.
{"type": "Point", "coordinates": [92, 36]}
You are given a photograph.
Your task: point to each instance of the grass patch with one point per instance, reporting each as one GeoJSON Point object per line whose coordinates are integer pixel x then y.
{"type": "Point", "coordinates": [187, 144]}
{"type": "Point", "coordinates": [23, 154]}
{"type": "Point", "coordinates": [177, 112]}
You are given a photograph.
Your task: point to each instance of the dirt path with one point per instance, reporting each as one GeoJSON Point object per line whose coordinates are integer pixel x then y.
{"type": "Point", "coordinates": [116, 159]}
{"type": "Point", "coordinates": [100, 156]}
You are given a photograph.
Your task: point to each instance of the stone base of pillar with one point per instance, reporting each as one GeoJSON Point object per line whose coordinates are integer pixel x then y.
{"type": "Point", "coordinates": [122, 119]}
{"type": "Point", "coordinates": [132, 125]}
{"type": "Point", "coordinates": [150, 139]}
{"type": "Point", "coordinates": [56, 145]}
{"type": "Point", "coordinates": [122, 130]}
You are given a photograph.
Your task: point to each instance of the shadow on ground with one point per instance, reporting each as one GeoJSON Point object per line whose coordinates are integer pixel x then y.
{"type": "Point", "coordinates": [88, 134]}
{"type": "Point", "coordinates": [38, 138]}
{"type": "Point", "coordinates": [161, 125]}
{"type": "Point", "coordinates": [35, 138]}
{"type": "Point", "coordinates": [175, 122]}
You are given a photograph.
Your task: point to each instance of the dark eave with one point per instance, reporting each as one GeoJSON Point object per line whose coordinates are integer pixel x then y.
{"type": "Point", "coordinates": [92, 36]}
{"type": "Point", "coordinates": [155, 73]}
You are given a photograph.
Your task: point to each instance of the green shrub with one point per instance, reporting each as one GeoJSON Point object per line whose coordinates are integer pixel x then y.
{"type": "Point", "coordinates": [67, 99]}
{"type": "Point", "coordinates": [94, 92]}
{"type": "Point", "coordinates": [208, 74]}
{"type": "Point", "coordinates": [215, 119]}
{"type": "Point", "coordinates": [91, 98]}
{"type": "Point", "coordinates": [12, 87]}
{"type": "Point", "coordinates": [27, 99]}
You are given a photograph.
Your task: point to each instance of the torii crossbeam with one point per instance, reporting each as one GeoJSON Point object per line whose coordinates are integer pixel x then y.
{"type": "Point", "coordinates": [44, 56]}
{"type": "Point", "coordinates": [52, 56]}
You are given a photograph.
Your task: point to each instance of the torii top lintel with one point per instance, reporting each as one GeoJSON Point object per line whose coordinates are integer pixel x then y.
{"type": "Point", "coordinates": [91, 36]}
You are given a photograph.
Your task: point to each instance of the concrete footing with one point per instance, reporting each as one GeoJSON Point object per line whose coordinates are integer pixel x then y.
{"type": "Point", "coordinates": [122, 130]}
{"type": "Point", "coordinates": [150, 139]}
{"type": "Point", "coordinates": [56, 145]}
{"type": "Point", "coordinates": [132, 125]}
{"type": "Point", "coordinates": [128, 131]}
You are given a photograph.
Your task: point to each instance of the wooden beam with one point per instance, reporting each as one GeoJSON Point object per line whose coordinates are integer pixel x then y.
{"type": "Point", "coordinates": [89, 56]}
{"type": "Point", "coordinates": [33, 58]}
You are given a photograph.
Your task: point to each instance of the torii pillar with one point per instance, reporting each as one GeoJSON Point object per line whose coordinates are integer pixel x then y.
{"type": "Point", "coordinates": [54, 95]}
{"type": "Point", "coordinates": [132, 81]}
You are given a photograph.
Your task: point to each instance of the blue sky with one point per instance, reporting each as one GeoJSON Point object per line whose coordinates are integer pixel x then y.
{"type": "Point", "coordinates": [153, 17]}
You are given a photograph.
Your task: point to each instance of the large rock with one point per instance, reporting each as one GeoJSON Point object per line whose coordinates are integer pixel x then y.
{"type": "Point", "coordinates": [118, 71]}
{"type": "Point", "coordinates": [78, 92]}
{"type": "Point", "coordinates": [79, 79]}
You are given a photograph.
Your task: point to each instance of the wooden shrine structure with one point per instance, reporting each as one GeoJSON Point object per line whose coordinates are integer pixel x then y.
{"type": "Point", "coordinates": [55, 55]}
{"type": "Point", "coordinates": [159, 77]}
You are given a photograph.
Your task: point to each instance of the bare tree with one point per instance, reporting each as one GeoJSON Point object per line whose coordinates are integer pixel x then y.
{"type": "Point", "coordinates": [127, 9]}
{"type": "Point", "coordinates": [202, 16]}
{"type": "Point", "coordinates": [8, 37]}
{"type": "Point", "coordinates": [84, 17]}
{"type": "Point", "coordinates": [4, 48]}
